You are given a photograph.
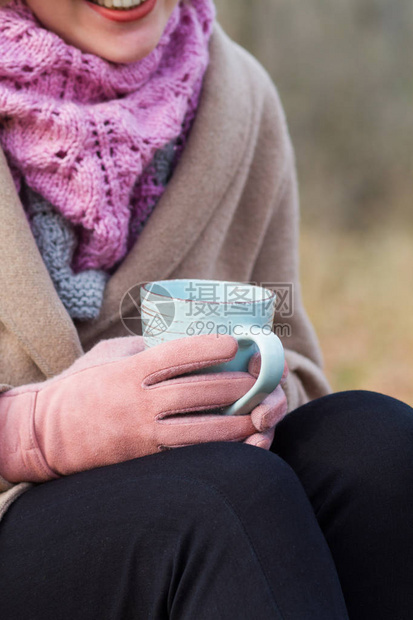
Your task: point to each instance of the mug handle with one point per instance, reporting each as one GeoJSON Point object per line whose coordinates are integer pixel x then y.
{"type": "Point", "coordinates": [271, 371]}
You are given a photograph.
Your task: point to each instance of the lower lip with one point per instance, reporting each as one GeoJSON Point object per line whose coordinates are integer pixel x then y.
{"type": "Point", "coordinates": [128, 15]}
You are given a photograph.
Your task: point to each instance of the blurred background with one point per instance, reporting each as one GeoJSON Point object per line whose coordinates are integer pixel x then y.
{"type": "Point", "coordinates": [344, 71]}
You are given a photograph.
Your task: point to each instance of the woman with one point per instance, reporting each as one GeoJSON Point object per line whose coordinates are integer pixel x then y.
{"type": "Point", "coordinates": [140, 143]}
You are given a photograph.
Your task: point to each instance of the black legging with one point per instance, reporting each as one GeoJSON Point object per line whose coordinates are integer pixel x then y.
{"type": "Point", "coordinates": [227, 531]}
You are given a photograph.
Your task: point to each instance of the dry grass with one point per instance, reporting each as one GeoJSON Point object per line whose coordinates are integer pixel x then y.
{"type": "Point", "coordinates": [358, 291]}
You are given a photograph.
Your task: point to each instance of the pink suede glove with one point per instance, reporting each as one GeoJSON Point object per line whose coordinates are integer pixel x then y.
{"type": "Point", "coordinates": [264, 417]}
{"type": "Point", "coordinates": [267, 414]}
{"type": "Point", "coordinates": [103, 410]}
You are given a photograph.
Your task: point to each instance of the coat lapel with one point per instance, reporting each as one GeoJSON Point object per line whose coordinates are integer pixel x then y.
{"type": "Point", "coordinates": [29, 304]}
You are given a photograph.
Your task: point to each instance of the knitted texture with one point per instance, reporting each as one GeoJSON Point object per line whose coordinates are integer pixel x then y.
{"type": "Point", "coordinates": [82, 293]}
{"type": "Point", "coordinates": [151, 185]}
{"type": "Point", "coordinates": [83, 131]}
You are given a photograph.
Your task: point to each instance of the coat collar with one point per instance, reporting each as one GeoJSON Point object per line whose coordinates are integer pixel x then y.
{"type": "Point", "coordinates": [29, 304]}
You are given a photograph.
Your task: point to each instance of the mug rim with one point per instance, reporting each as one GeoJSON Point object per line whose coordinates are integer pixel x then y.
{"type": "Point", "coordinates": [272, 294]}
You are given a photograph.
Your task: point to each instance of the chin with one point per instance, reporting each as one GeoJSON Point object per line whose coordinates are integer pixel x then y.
{"type": "Point", "coordinates": [125, 50]}
{"type": "Point", "coordinates": [123, 56]}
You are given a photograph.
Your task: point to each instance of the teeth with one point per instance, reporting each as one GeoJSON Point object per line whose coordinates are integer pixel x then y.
{"type": "Point", "coordinates": [118, 4]}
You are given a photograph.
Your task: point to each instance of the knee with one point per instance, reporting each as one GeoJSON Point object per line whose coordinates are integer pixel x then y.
{"type": "Point", "coordinates": [362, 405]}
{"type": "Point", "coordinates": [226, 472]}
{"type": "Point", "coordinates": [365, 423]}
{"type": "Point", "coordinates": [364, 438]}
{"type": "Point", "coordinates": [230, 466]}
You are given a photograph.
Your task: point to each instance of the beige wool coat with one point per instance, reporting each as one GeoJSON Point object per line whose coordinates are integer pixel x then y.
{"type": "Point", "coordinates": [229, 212]}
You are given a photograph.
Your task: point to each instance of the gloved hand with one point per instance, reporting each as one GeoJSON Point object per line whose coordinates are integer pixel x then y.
{"type": "Point", "coordinates": [103, 410]}
{"type": "Point", "coordinates": [264, 417]}
{"type": "Point", "coordinates": [267, 414]}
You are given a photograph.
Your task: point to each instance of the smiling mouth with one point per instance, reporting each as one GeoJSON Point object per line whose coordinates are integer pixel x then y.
{"type": "Point", "coordinates": [119, 5]}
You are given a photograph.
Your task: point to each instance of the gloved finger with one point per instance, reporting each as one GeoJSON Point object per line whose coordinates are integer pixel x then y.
{"type": "Point", "coordinates": [199, 392]}
{"type": "Point", "coordinates": [125, 345]}
{"type": "Point", "coordinates": [261, 440]}
{"type": "Point", "coordinates": [192, 429]}
{"type": "Point", "coordinates": [107, 350]}
{"type": "Point", "coordinates": [186, 355]}
{"type": "Point", "coordinates": [113, 348]}
{"type": "Point", "coordinates": [254, 367]}
{"type": "Point", "coordinates": [272, 409]}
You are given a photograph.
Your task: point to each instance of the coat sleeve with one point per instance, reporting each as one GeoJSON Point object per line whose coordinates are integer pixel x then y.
{"type": "Point", "coordinates": [277, 267]}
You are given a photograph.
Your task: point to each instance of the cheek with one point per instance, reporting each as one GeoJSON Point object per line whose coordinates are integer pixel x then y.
{"type": "Point", "coordinates": [50, 13]}
{"type": "Point", "coordinates": [39, 6]}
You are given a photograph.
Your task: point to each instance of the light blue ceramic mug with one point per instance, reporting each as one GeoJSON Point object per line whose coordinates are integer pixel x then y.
{"type": "Point", "coordinates": [173, 309]}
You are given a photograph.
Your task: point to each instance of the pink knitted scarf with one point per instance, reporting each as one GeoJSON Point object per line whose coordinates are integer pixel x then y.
{"type": "Point", "coordinates": [81, 130]}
